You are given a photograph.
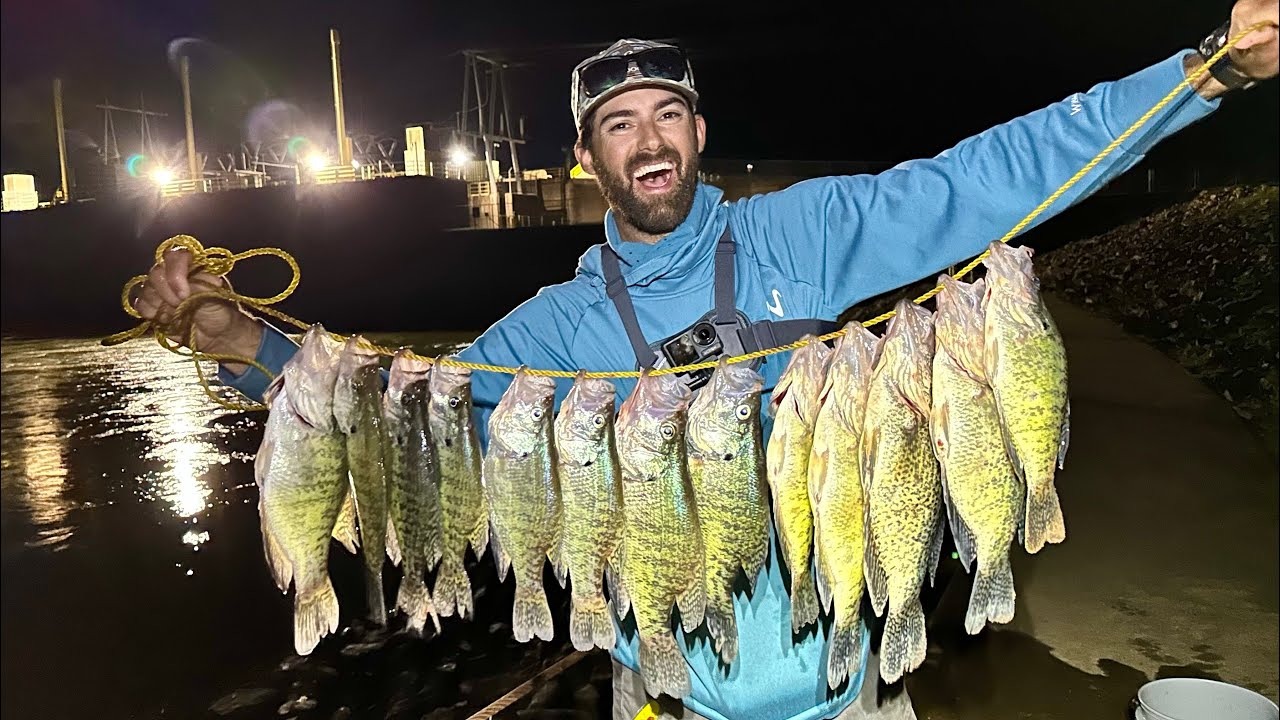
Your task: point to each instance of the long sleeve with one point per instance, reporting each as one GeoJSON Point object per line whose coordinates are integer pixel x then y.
{"type": "Point", "coordinates": [274, 350]}
{"type": "Point", "coordinates": [858, 236]}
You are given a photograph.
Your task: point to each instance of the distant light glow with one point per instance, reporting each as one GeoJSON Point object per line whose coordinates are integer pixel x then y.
{"type": "Point", "coordinates": [355, 164]}
{"type": "Point", "coordinates": [295, 143]}
{"type": "Point", "coordinates": [316, 161]}
{"type": "Point", "coordinates": [459, 156]}
{"type": "Point", "coordinates": [162, 176]}
{"type": "Point", "coordinates": [133, 162]}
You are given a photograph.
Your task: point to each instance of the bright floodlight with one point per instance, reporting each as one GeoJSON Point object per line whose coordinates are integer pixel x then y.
{"type": "Point", "coordinates": [317, 161]}
{"type": "Point", "coordinates": [459, 156]}
{"type": "Point", "coordinates": [162, 176]}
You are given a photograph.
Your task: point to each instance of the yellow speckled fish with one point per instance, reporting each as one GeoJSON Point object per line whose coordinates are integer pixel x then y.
{"type": "Point", "coordinates": [794, 406]}
{"type": "Point", "coordinates": [414, 491]}
{"type": "Point", "coordinates": [591, 499]}
{"type": "Point", "coordinates": [984, 497]}
{"type": "Point", "coordinates": [357, 406]}
{"type": "Point", "coordinates": [462, 501]}
{"type": "Point", "coordinates": [726, 465]}
{"type": "Point", "coordinates": [904, 491]}
{"type": "Point", "coordinates": [836, 493]}
{"type": "Point", "coordinates": [301, 471]}
{"type": "Point", "coordinates": [660, 558]}
{"type": "Point", "coordinates": [523, 495]}
{"type": "Point", "coordinates": [1027, 367]}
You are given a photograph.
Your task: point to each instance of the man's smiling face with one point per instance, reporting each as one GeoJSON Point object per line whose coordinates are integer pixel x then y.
{"type": "Point", "coordinates": [643, 150]}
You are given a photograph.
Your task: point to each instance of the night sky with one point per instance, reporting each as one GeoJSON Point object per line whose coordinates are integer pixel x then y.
{"type": "Point", "coordinates": [830, 81]}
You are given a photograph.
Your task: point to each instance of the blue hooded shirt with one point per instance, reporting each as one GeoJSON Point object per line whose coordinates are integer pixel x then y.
{"type": "Point", "coordinates": [808, 251]}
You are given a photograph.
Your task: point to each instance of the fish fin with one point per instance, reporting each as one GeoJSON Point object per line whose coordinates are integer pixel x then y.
{"type": "Point", "coordinates": [935, 546]}
{"type": "Point", "coordinates": [877, 581]}
{"type": "Point", "coordinates": [663, 667]}
{"type": "Point", "coordinates": [993, 596]}
{"type": "Point", "coordinates": [844, 653]}
{"type": "Point", "coordinates": [277, 559]}
{"type": "Point", "coordinates": [557, 558]}
{"type": "Point", "coordinates": [819, 461]}
{"type": "Point", "coordinates": [723, 628]}
{"type": "Point", "coordinates": [804, 600]}
{"type": "Point", "coordinates": [315, 615]}
{"type": "Point", "coordinates": [500, 559]}
{"type": "Point", "coordinates": [1044, 522]}
{"type": "Point", "coordinates": [693, 603]}
{"type": "Point", "coordinates": [820, 577]}
{"type": "Point", "coordinates": [531, 615]}
{"type": "Point", "coordinates": [262, 461]}
{"type": "Point", "coordinates": [480, 535]}
{"type": "Point", "coordinates": [415, 600]}
{"type": "Point", "coordinates": [589, 623]}
{"type": "Point", "coordinates": [393, 542]}
{"type": "Point", "coordinates": [617, 589]}
{"type": "Point", "coordinates": [868, 446]}
{"type": "Point", "coordinates": [344, 528]}
{"type": "Point", "coordinates": [1064, 439]}
{"type": "Point", "coordinates": [903, 647]}
{"type": "Point", "coordinates": [453, 589]}
{"type": "Point", "coordinates": [960, 531]}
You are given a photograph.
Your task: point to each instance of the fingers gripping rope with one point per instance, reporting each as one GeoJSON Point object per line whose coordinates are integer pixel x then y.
{"type": "Point", "coordinates": [219, 261]}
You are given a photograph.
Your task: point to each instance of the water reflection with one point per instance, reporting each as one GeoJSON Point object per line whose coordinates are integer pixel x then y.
{"type": "Point", "coordinates": [71, 402]}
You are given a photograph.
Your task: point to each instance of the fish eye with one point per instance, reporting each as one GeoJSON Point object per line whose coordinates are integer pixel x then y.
{"type": "Point", "coordinates": [744, 412]}
{"type": "Point", "coordinates": [536, 413]}
{"type": "Point", "coordinates": [598, 421]}
{"type": "Point", "coordinates": [667, 430]}
{"type": "Point", "coordinates": [453, 402]}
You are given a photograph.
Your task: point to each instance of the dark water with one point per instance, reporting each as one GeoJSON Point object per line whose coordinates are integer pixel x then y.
{"type": "Point", "coordinates": [135, 586]}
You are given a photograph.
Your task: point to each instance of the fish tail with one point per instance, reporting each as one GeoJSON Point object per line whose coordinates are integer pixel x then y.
{"type": "Point", "coordinates": [663, 667]}
{"type": "Point", "coordinates": [844, 654]}
{"type": "Point", "coordinates": [415, 601]}
{"type": "Point", "coordinates": [589, 623]}
{"type": "Point", "coordinates": [992, 597]}
{"type": "Point", "coordinates": [723, 627]}
{"type": "Point", "coordinates": [903, 646]}
{"type": "Point", "coordinates": [1044, 522]}
{"type": "Point", "coordinates": [315, 614]}
{"type": "Point", "coordinates": [531, 615]}
{"type": "Point", "coordinates": [453, 589]}
{"type": "Point", "coordinates": [344, 528]}
{"type": "Point", "coordinates": [804, 600]}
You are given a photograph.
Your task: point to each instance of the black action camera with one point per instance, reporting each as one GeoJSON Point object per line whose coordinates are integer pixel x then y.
{"type": "Point", "coordinates": [697, 344]}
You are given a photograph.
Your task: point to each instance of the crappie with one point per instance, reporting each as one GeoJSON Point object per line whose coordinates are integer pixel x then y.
{"type": "Point", "coordinates": [904, 490]}
{"type": "Point", "coordinates": [794, 406]}
{"type": "Point", "coordinates": [523, 494]}
{"type": "Point", "coordinates": [301, 472]}
{"type": "Point", "coordinates": [984, 497]}
{"type": "Point", "coordinates": [414, 488]}
{"type": "Point", "coordinates": [836, 493]}
{"type": "Point", "coordinates": [660, 558]}
{"type": "Point", "coordinates": [462, 501]}
{"type": "Point", "coordinates": [726, 465]}
{"type": "Point", "coordinates": [591, 499]}
{"type": "Point", "coordinates": [1027, 366]}
{"type": "Point", "coordinates": [357, 406]}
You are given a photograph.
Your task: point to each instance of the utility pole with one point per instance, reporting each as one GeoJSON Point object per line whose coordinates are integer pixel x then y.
{"type": "Point", "coordinates": [344, 149]}
{"type": "Point", "coordinates": [193, 167]}
{"type": "Point", "coordinates": [62, 137]}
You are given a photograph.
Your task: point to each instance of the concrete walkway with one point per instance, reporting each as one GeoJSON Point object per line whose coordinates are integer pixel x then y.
{"type": "Point", "coordinates": [1170, 563]}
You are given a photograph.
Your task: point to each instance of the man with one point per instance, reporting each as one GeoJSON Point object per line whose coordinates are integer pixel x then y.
{"type": "Point", "coordinates": [658, 291]}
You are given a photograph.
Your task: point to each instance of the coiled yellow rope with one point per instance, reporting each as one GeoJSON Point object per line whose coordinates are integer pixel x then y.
{"type": "Point", "coordinates": [219, 261]}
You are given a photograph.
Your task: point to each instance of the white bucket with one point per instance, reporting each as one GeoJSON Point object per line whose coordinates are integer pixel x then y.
{"type": "Point", "coordinates": [1198, 699]}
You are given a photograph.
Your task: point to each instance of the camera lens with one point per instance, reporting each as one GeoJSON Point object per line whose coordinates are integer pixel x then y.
{"type": "Point", "coordinates": [704, 334]}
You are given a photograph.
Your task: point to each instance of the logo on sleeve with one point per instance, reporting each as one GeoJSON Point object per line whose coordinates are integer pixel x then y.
{"type": "Point", "coordinates": [776, 307]}
{"type": "Point", "coordinates": [1076, 104]}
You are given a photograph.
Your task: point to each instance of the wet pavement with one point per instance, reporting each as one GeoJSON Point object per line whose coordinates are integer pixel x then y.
{"type": "Point", "coordinates": [134, 584]}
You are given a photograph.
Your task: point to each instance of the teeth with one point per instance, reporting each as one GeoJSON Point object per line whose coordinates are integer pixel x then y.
{"type": "Point", "coordinates": [654, 168]}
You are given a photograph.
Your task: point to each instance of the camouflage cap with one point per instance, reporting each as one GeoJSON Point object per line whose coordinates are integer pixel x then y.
{"type": "Point", "coordinates": [581, 103]}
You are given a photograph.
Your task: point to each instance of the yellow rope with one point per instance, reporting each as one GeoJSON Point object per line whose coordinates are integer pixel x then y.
{"type": "Point", "coordinates": [219, 261]}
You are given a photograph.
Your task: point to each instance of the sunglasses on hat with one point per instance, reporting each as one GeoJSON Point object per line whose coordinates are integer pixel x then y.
{"type": "Point", "coordinates": [663, 63]}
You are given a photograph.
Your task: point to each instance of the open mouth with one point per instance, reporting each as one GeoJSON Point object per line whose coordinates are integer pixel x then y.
{"type": "Point", "coordinates": [656, 177]}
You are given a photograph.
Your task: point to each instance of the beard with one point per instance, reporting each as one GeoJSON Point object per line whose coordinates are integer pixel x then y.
{"type": "Point", "coordinates": [651, 214]}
